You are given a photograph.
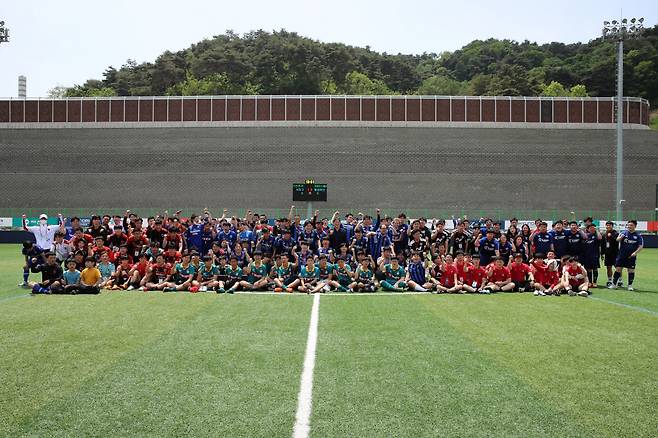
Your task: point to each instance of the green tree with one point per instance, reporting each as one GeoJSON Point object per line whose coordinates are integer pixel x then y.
{"type": "Point", "coordinates": [443, 86]}
{"type": "Point", "coordinates": [360, 84]}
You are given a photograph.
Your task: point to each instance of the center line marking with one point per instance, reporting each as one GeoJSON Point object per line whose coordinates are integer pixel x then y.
{"type": "Point", "coordinates": [305, 398]}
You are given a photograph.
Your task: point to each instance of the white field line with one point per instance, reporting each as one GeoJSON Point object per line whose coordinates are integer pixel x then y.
{"type": "Point", "coordinates": [628, 306]}
{"type": "Point", "coordinates": [305, 398]}
{"type": "Point", "coordinates": [13, 297]}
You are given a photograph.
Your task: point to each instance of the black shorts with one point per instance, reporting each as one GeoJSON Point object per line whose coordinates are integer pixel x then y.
{"type": "Point", "coordinates": [521, 284]}
{"type": "Point", "coordinates": [625, 262]}
{"type": "Point", "coordinates": [230, 283]}
{"type": "Point", "coordinates": [609, 259]}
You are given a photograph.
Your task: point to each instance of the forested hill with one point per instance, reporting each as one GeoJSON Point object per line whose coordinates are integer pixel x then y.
{"type": "Point", "coordinates": [284, 62]}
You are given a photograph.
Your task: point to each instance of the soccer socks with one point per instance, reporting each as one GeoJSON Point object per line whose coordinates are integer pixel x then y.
{"type": "Point", "coordinates": [616, 277]}
{"type": "Point", "coordinates": [26, 274]}
{"type": "Point", "coordinates": [631, 278]}
{"type": "Point", "coordinates": [595, 276]}
{"type": "Point", "coordinates": [387, 286]}
{"type": "Point", "coordinates": [419, 288]}
{"type": "Point", "coordinates": [589, 276]}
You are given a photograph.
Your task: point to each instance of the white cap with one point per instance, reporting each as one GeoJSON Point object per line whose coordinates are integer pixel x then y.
{"type": "Point", "coordinates": [43, 216]}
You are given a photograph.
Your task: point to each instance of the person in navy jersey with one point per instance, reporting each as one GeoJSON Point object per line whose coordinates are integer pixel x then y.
{"type": "Point", "coordinates": [227, 234]}
{"type": "Point", "coordinates": [265, 245]}
{"type": "Point", "coordinates": [193, 233]}
{"type": "Point", "coordinates": [576, 239]}
{"type": "Point", "coordinates": [560, 239]}
{"type": "Point", "coordinates": [284, 244]}
{"type": "Point", "coordinates": [630, 244]}
{"type": "Point", "coordinates": [246, 237]}
{"type": "Point", "coordinates": [592, 253]}
{"type": "Point", "coordinates": [207, 236]}
{"type": "Point", "coordinates": [488, 247]}
{"type": "Point", "coordinates": [504, 248]}
{"type": "Point", "coordinates": [378, 240]}
{"type": "Point", "coordinates": [609, 249]}
{"type": "Point", "coordinates": [541, 239]}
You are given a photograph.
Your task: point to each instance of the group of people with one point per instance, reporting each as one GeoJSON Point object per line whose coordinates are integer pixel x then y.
{"type": "Point", "coordinates": [356, 253]}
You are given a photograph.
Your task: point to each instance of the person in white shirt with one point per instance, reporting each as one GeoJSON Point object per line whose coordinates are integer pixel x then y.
{"type": "Point", "coordinates": [44, 233]}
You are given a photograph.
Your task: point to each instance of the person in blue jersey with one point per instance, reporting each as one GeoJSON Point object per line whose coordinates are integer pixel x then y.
{"type": "Point", "coordinates": [265, 245]}
{"type": "Point", "coordinates": [359, 242]}
{"type": "Point", "coordinates": [542, 241]}
{"type": "Point", "coordinates": [308, 235]}
{"type": "Point", "coordinates": [630, 244]}
{"type": "Point", "coordinates": [488, 247]}
{"type": "Point", "coordinates": [284, 244]}
{"type": "Point", "coordinates": [304, 253]}
{"type": "Point", "coordinates": [398, 235]}
{"type": "Point", "coordinates": [416, 275]}
{"type": "Point", "coordinates": [395, 277]}
{"type": "Point", "coordinates": [227, 234]}
{"type": "Point", "coordinates": [364, 277]}
{"type": "Point", "coordinates": [193, 233]}
{"type": "Point", "coordinates": [325, 248]}
{"type": "Point", "coordinates": [241, 254]}
{"type": "Point", "coordinates": [207, 237]}
{"type": "Point", "coordinates": [576, 241]}
{"type": "Point", "coordinates": [309, 277]}
{"type": "Point", "coordinates": [504, 249]}
{"type": "Point", "coordinates": [560, 239]}
{"type": "Point", "coordinates": [377, 240]}
{"type": "Point", "coordinates": [246, 237]}
{"type": "Point", "coordinates": [257, 273]}
{"type": "Point", "coordinates": [591, 254]}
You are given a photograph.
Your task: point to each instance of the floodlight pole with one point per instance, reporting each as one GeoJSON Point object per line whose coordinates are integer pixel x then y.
{"type": "Point", "coordinates": [619, 30]}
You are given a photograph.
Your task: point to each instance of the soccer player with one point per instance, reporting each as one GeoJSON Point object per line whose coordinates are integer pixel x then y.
{"type": "Point", "coordinates": [416, 274]}
{"type": "Point", "coordinates": [285, 277]}
{"type": "Point", "coordinates": [630, 244]}
{"type": "Point", "coordinates": [476, 276]}
{"type": "Point", "coordinates": [194, 232]}
{"type": "Point", "coordinates": [364, 277]}
{"type": "Point", "coordinates": [309, 276]}
{"type": "Point", "coordinates": [576, 241]}
{"type": "Point", "coordinates": [100, 248]}
{"type": "Point", "coordinates": [121, 278]}
{"type": "Point", "coordinates": [156, 233]}
{"type": "Point", "coordinates": [34, 255]}
{"type": "Point", "coordinates": [541, 240]}
{"type": "Point", "coordinates": [265, 245]}
{"type": "Point", "coordinates": [378, 240]}
{"type": "Point", "coordinates": [107, 269]}
{"type": "Point", "coordinates": [560, 239]}
{"type": "Point", "coordinates": [234, 276]}
{"type": "Point", "coordinates": [257, 272]}
{"type": "Point", "coordinates": [207, 275]}
{"type": "Point", "coordinates": [117, 238]}
{"type": "Point", "coordinates": [504, 249]}
{"type": "Point", "coordinates": [609, 249]}
{"type": "Point", "coordinates": [394, 277]}
{"type": "Point", "coordinates": [183, 274]}
{"type": "Point", "coordinates": [326, 274]}
{"type": "Point", "coordinates": [591, 254]}
{"type": "Point", "coordinates": [488, 247]}
{"type": "Point", "coordinates": [449, 282]}
{"type": "Point", "coordinates": [343, 273]}
{"type": "Point", "coordinates": [460, 239]}
{"type": "Point", "coordinates": [521, 274]}
{"type": "Point", "coordinates": [499, 277]}
{"type": "Point", "coordinates": [284, 244]}
{"type": "Point", "coordinates": [575, 278]}
{"type": "Point", "coordinates": [51, 275]}
{"type": "Point", "coordinates": [359, 242]}
{"type": "Point", "coordinates": [158, 275]}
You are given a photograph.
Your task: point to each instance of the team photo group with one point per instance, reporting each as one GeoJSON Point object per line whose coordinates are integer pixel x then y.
{"type": "Point", "coordinates": [353, 253]}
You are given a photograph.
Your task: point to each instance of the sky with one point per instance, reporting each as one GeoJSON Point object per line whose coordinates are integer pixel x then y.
{"type": "Point", "coordinates": [67, 42]}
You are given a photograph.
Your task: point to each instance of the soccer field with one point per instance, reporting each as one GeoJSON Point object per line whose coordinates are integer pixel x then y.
{"type": "Point", "coordinates": [135, 363]}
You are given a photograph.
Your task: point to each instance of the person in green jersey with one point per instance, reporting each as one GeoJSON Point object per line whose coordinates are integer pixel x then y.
{"type": "Point", "coordinates": [257, 273]}
{"type": "Point", "coordinates": [182, 275]}
{"type": "Point", "coordinates": [394, 277]}
{"type": "Point", "coordinates": [364, 277]}
{"type": "Point", "coordinates": [207, 275]}
{"type": "Point", "coordinates": [234, 279]}
{"type": "Point", "coordinates": [327, 274]}
{"type": "Point", "coordinates": [343, 275]}
{"type": "Point", "coordinates": [286, 275]}
{"type": "Point", "coordinates": [309, 277]}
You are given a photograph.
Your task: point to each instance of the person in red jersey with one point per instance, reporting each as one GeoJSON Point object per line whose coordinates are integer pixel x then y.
{"type": "Point", "coordinates": [123, 252]}
{"type": "Point", "coordinates": [138, 272]}
{"type": "Point", "coordinates": [121, 276]}
{"type": "Point", "coordinates": [575, 275]}
{"type": "Point", "coordinates": [80, 236]}
{"type": "Point", "coordinates": [175, 238]}
{"type": "Point", "coordinates": [117, 238]}
{"type": "Point", "coordinates": [476, 276]}
{"type": "Point", "coordinates": [172, 256]}
{"type": "Point", "coordinates": [521, 274]}
{"type": "Point", "coordinates": [156, 233]}
{"type": "Point", "coordinates": [158, 275]}
{"type": "Point", "coordinates": [539, 273]}
{"type": "Point", "coordinates": [99, 248]}
{"type": "Point", "coordinates": [461, 265]}
{"type": "Point", "coordinates": [499, 277]}
{"type": "Point", "coordinates": [136, 243]}
{"type": "Point", "coordinates": [448, 282]}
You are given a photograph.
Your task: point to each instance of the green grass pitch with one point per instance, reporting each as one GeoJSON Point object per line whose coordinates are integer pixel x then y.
{"type": "Point", "coordinates": [153, 364]}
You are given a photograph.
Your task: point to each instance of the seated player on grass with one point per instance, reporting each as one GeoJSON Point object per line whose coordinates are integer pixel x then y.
{"type": "Point", "coordinates": [234, 279]}
{"type": "Point", "coordinates": [51, 275]}
{"type": "Point", "coordinates": [630, 244]}
{"type": "Point", "coordinates": [207, 275]}
{"type": "Point", "coordinates": [343, 273]}
{"type": "Point", "coordinates": [107, 270]}
{"type": "Point", "coordinates": [476, 275]}
{"type": "Point", "coordinates": [121, 277]}
{"type": "Point", "coordinates": [158, 275]}
{"type": "Point", "coordinates": [257, 273]}
{"type": "Point", "coordinates": [521, 274]}
{"type": "Point", "coordinates": [395, 276]}
{"type": "Point", "coordinates": [286, 275]}
{"type": "Point", "coordinates": [448, 280]}
{"type": "Point", "coordinates": [574, 278]}
{"type": "Point", "coordinates": [71, 278]}
{"type": "Point", "coordinates": [416, 277]}
{"type": "Point", "coordinates": [364, 276]}
{"type": "Point", "coordinates": [326, 274]}
{"type": "Point", "coordinates": [90, 278]}
{"type": "Point", "coordinates": [309, 277]}
{"type": "Point", "coordinates": [183, 274]}
{"type": "Point", "coordinates": [138, 272]}
{"type": "Point", "coordinates": [499, 277]}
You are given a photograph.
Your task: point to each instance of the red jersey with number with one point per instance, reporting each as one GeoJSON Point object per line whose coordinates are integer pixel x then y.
{"type": "Point", "coordinates": [519, 271]}
{"type": "Point", "coordinates": [574, 271]}
{"type": "Point", "coordinates": [539, 270]}
{"type": "Point", "coordinates": [161, 272]}
{"type": "Point", "coordinates": [448, 278]}
{"type": "Point", "coordinates": [499, 274]}
{"type": "Point", "coordinates": [475, 275]}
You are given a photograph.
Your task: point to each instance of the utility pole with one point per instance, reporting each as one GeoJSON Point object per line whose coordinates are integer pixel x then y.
{"type": "Point", "coordinates": [620, 30]}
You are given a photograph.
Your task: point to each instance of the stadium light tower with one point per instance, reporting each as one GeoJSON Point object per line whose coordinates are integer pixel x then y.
{"type": "Point", "coordinates": [4, 33]}
{"type": "Point", "coordinates": [620, 30]}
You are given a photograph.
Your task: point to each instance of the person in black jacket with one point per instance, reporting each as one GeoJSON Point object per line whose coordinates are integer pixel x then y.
{"type": "Point", "coordinates": [609, 249]}
{"type": "Point", "coordinates": [51, 276]}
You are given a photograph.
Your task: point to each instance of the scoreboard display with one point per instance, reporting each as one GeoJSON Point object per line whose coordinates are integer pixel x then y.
{"type": "Point", "coordinates": [309, 191]}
